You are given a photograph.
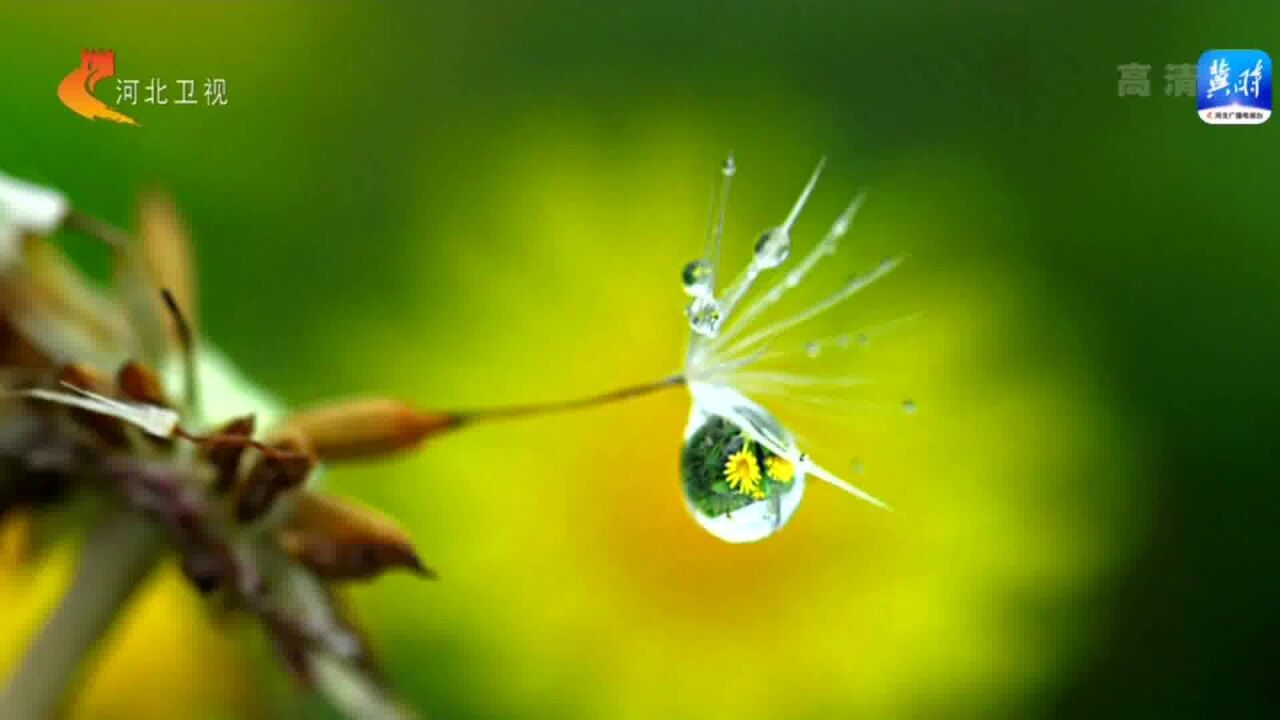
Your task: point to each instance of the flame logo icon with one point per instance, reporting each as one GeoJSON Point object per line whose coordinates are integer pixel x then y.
{"type": "Point", "coordinates": [76, 90]}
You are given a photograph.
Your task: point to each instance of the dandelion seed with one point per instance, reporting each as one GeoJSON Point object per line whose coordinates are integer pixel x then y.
{"type": "Point", "coordinates": [729, 431]}
{"type": "Point", "coordinates": [743, 472]}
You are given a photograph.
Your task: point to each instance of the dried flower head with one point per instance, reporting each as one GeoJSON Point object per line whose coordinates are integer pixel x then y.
{"type": "Point", "coordinates": [109, 394]}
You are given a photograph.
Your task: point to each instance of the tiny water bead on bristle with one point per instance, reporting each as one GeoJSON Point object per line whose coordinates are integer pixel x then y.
{"type": "Point", "coordinates": [736, 488]}
{"type": "Point", "coordinates": [696, 278]}
{"type": "Point", "coordinates": [909, 406]}
{"type": "Point", "coordinates": [705, 316]}
{"type": "Point", "coordinates": [772, 249]}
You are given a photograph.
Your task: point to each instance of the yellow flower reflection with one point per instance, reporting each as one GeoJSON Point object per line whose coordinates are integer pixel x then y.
{"type": "Point", "coordinates": [779, 469]}
{"type": "Point", "coordinates": [742, 472]}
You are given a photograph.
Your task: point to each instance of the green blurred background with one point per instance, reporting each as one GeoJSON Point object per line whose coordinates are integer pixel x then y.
{"type": "Point", "coordinates": [467, 205]}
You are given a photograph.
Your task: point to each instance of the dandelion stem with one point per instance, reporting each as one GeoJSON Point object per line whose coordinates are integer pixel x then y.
{"type": "Point", "coordinates": [118, 555]}
{"type": "Point", "coordinates": [512, 412]}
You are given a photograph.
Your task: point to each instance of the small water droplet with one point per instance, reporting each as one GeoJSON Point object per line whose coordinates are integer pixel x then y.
{"type": "Point", "coordinates": [856, 467]}
{"type": "Point", "coordinates": [730, 167]}
{"type": "Point", "coordinates": [696, 277]}
{"type": "Point", "coordinates": [812, 349]}
{"type": "Point", "coordinates": [863, 339]}
{"type": "Point", "coordinates": [772, 248]}
{"type": "Point", "coordinates": [842, 341]}
{"type": "Point", "coordinates": [909, 406]}
{"type": "Point", "coordinates": [705, 316]}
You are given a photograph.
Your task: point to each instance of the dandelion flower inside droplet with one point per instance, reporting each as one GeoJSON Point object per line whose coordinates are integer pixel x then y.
{"type": "Point", "coordinates": [736, 488]}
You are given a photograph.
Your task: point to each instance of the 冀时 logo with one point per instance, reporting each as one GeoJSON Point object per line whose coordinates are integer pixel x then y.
{"type": "Point", "coordinates": [1233, 87]}
{"type": "Point", "coordinates": [76, 89]}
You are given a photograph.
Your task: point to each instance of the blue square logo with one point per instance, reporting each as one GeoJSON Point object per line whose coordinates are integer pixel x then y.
{"type": "Point", "coordinates": [1233, 87]}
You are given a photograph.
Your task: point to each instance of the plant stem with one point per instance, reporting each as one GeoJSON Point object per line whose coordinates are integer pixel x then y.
{"type": "Point", "coordinates": [118, 555]}
{"type": "Point", "coordinates": [512, 412]}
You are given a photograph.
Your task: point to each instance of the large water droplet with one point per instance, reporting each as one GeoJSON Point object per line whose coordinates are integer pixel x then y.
{"type": "Point", "coordinates": [735, 488]}
{"type": "Point", "coordinates": [772, 248]}
{"type": "Point", "coordinates": [705, 316]}
{"type": "Point", "coordinates": [696, 277]}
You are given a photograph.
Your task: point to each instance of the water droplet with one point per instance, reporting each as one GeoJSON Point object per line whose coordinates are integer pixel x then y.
{"type": "Point", "coordinates": [730, 167]}
{"type": "Point", "coordinates": [863, 339]}
{"type": "Point", "coordinates": [909, 406]}
{"type": "Point", "coordinates": [696, 277]}
{"type": "Point", "coordinates": [705, 316]}
{"type": "Point", "coordinates": [856, 467]}
{"type": "Point", "coordinates": [842, 341]}
{"type": "Point", "coordinates": [736, 489]}
{"type": "Point", "coordinates": [772, 248]}
{"type": "Point", "coordinates": [812, 349]}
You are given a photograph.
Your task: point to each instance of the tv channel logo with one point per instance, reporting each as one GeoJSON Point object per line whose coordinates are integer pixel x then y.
{"type": "Point", "coordinates": [1233, 87]}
